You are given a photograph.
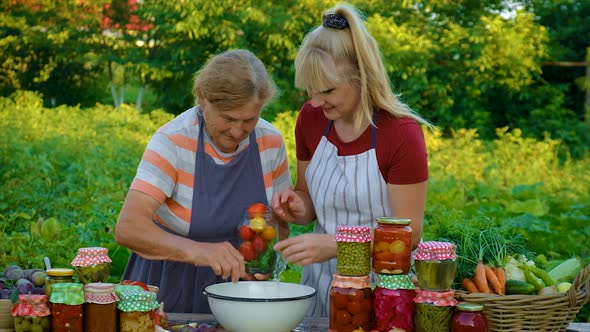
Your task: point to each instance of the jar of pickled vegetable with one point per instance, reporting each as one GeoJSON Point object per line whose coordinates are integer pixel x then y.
{"type": "Point", "coordinates": [100, 309]}
{"type": "Point", "coordinates": [434, 310]}
{"type": "Point", "coordinates": [469, 317]}
{"type": "Point", "coordinates": [392, 246]}
{"type": "Point", "coordinates": [92, 265]}
{"type": "Point", "coordinates": [67, 300]}
{"type": "Point", "coordinates": [354, 250]}
{"type": "Point", "coordinates": [393, 303]}
{"type": "Point", "coordinates": [31, 313]}
{"type": "Point", "coordinates": [57, 276]}
{"type": "Point", "coordinates": [136, 308]}
{"type": "Point", "coordinates": [436, 265]}
{"type": "Point", "coordinates": [351, 301]}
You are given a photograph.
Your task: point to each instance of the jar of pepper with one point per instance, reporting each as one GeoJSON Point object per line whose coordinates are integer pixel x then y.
{"type": "Point", "coordinates": [100, 309]}
{"type": "Point", "coordinates": [393, 303]}
{"type": "Point", "coordinates": [434, 310]}
{"type": "Point", "coordinates": [392, 247]}
{"type": "Point", "coordinates": [92, 264]}
{"type": "Point", "coordinates": [136, 308]}
{"type": "Point", "coordinates": [353, 250]}
{"type": "Point", "coordinates": [31, 313]}
{"type": "Point", "coordinates": [67, 307]}
{"type": "Point", "coordinates": [351, 300]}
{"type": "Point", "coordinates": [436, 265]}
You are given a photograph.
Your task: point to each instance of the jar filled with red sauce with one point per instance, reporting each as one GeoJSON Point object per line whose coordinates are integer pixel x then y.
{"type": "Point", "coordinates": [351, 301]}
{"type": "Point", "coordinates": [392, 246]}
{"type": "Point", "coordinates": [469, 317]}
{"type": "Point", "coordinates": [100, 309]}
{"type": "Point", "coordinates": [393, 303]}
{"type": "Point", "coordinates": [67, 300]}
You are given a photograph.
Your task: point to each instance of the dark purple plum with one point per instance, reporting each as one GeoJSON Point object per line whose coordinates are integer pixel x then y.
{"type": "Point", "coordinates": [14, 272]}
{"type": "Point", "coordinates": [24, 286]}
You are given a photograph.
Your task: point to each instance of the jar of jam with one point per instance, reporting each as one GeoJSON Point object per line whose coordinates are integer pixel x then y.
{"type": "Point", "coordinates": [434, 310]}
{"type": "Point", "coordinates": [436, 265]}
{"type": "Point", "coordinates": [67, 300]}
{"type": "Point", "coordinates": [92, 265]}
{"type": "Point", "coordinates": [56, 276]}
{"type": "Point", "coordinates": [351, 300]}
{"type": "Point", "coordinates": [136, 308]}
{"type": "Point", "coordinates": [31, 313]}
{"type": "Point", "coordinates": [393, 303]}
{"type": "Point", "coordinates": [354, 250]}
{"type": "Point", "coordinates": [392, 246]}
{"type": "Point", "coordinates": [469, 317]}
{"type": "Point", "coordinates": [100, 309]}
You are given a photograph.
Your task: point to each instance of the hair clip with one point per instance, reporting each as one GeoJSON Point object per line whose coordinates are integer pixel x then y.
{"type": "Point", "coordinates": [335, 22]}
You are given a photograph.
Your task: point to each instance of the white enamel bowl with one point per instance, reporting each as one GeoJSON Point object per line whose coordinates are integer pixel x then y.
{"type": "Point", "coordinates": [259, 306]}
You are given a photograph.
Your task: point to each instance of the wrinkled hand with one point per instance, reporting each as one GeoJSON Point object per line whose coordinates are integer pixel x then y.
{"type": "Point", "coordinates": [225, 260]}
{"type": "Point", "coordinates": [287, 205]}
{"type": "Point", "coordinates": [307, 248]}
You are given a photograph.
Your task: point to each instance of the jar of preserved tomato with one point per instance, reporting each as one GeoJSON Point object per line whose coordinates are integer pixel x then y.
{"type": "Point", "coordinates": [354, 250]}
{"type": "Point", "coordinates": [436, 265]}
{"type": "Point", "coordinates": [57, 276]}
{"type": "Point", "coordinates": [434, 310]}
{"type": "Point", "coordinates": [92, 265]}
{"type": "Point", "coordinates": [136, 308]}
{"type": "Point", "coordinates": [100, 309]}
{"type": "Point", "coordinates": [392, 246]}
{"type": "Point", "coordinates": [31, 313]}
{"type": "Point", "coordinates": [67, 300]}
{"type": "Point", "coordinates": [351, 300]}
{"type": "Point", "coordinates": [469, 317]}
{"type": "Point", "coordinates": [393, 303]}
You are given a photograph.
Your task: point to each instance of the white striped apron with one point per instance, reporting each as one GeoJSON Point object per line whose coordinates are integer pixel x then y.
{"type": "Point", "coordinates": [345, 190]}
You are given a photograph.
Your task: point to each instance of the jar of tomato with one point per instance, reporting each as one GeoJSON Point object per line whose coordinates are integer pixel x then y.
{"type": "Point", "coordinates": [31, 313]}
{"type": "Point", "coordinates": [92, 265]}
{"type": "Point", "coordinates": [393, 303]}
{"type": "Point", "coordinates": [57, 276]}
{"type": "Point", "coordinates": [100, 309]}
{"type": "Point", "coordinates": [436, 265]}
{"type": "Point", "coordinates": [351, 300]}
{"type": "Point", "coordinates": [434, 310]}
{"type": "Point", "coordinates": [392, 246]}
{"type": "Point", "coordinates": [258, 235]}
{"type": "Point", "coordinates": [136, 308]}
{"type": "Point", "coordinates": [353, 250]}
{"type": "Point", "coordinates": [469, 317]}
{"type": "Point", "coordinates": [67, 313]}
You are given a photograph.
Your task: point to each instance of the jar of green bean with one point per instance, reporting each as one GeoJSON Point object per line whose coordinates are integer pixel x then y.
{"type": "Point", "coordinates": [434, 310]}
{"type": "Point", "coordinates": [354, 250]}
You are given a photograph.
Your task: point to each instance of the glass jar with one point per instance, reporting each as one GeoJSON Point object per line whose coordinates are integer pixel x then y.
{"type": "Point", "coordinates": [92, 265]}
{"type": "Point", "coordinates": [351, 301]}
{"type": "Point", "coordinates": [392, 246]}
{"type": "Point", "coordinates": [393, 302]}
{"type": "Point", "coordinates": [100, 309]}
{"type": "Point", "coordinates": [434, 310]}
{"type": "Point", "coordinates": [436, 265]}
{"type": "Point", "coordinates": [354, 250]}
{"type": "Point", "coordinates": [469, 317]}
{"type": "Point", "coordinates": [67, 301]}
{"type": "Point", "coordinates": [258, 235]}
{"type": "Point", "coordinates": [31, 313]}
{"type": "Point", "coordinates": [56, 276]}
{"type": "Point", "coordinates": [136, 308]}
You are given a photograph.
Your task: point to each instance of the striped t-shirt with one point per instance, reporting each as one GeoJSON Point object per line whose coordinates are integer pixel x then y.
{"type": "Point", "coordinates": [168, 163]}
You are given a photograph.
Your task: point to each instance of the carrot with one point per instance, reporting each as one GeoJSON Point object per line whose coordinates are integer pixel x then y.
{"type": "Point", "coordinates": [480, 279]}
{"type": "Point", "coordinates": [493, 279]}
{"type": "Point", "coordinates": [501, 274]}
{"type": "Point", "coordinates": [469, 285]}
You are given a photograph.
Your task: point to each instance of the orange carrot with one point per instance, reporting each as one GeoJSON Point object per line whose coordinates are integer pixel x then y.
{"type": "Point", "coordinates": [501, 274]}
{"type": "Point", "coordinates": [469, 285]}
{"type": "Point", "coordinates": [480, 279]}
{"type": "Point", "coordinates": [493, 280]}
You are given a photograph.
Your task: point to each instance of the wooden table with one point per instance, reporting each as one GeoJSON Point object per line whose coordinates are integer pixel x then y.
{"type": "Point", "coordinates": [309, 324]}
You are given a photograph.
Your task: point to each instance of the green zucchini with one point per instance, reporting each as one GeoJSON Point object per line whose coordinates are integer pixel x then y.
{"type": "Point", "coordinates": [519, 287]}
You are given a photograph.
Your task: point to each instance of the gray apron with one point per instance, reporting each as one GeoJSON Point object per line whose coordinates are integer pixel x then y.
{"type": "Point", "coordinates": [221, 195]}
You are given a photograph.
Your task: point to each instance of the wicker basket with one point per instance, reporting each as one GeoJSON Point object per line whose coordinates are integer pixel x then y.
{"type": "Point", "coordinates": [551, 312]}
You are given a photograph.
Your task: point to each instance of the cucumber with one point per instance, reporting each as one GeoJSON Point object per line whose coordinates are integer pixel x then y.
{"type": "Point", "coordinates": [519, 287]}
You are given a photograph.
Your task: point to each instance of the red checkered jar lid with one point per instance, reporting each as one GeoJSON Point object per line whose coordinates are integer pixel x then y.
{"type": "Point", "coordinates": [435, 251]}
{"type": "Point", "coordinates": [353, 234]}
{"type": "Point", "coordinates": [100, 293]}
{"type": "Point", "coordinates": [91, 256]}
{"type": "Point", "coordinates": [439, 299]}
{"type": "Point", "coordinates": [32, 305]}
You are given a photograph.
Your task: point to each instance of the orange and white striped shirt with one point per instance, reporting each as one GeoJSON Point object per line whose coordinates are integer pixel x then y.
{"type": "Point", "coordinates": [168, 164]}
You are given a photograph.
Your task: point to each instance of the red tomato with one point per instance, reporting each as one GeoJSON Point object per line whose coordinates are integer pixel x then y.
{"type": "Point", "coordinates": [343, 317]}
{"type": "Point", "coordinates": [354, 307]}
{"type": "Point", "coordinates": [360, 319]}
{"type": "Point", "coordinates": [340, 301]}
{"type": "Point", "coordinates": [257, 210]}
{"type": "Point", "coordinates": [247, 250]}
{"type": "Point", "coordinates": [259, 244]}
{"type": "Point", "coordinates": [246, 233]}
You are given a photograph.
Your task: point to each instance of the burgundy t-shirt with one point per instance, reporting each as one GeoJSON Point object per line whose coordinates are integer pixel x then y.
{"type": "Point", "coordinates": [400, 147]}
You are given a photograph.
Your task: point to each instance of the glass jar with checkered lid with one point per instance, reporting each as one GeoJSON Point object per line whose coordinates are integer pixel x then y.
{"type": "Point", "coordinates": [436, 265]}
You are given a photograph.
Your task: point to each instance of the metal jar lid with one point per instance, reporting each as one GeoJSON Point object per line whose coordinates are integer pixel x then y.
{"type": "Point", "coordinates": [394, 221]}
{"type": "Point", "coordinates": [469, 306]}
{"type": "Point", "coordinates": [60, 272]}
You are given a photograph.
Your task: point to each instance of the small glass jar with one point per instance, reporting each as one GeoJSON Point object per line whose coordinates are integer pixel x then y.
{"type": "Point", "coordinates": [92, 265]}
{"type": "Point", "coordinates": [31, 313]}
{"type": "Point", "coordinates": [67, 300]}
{"type": "Point", "coordinates": [353, 250]}
{"type": "Point", "coordinates": [434, 310]}
{"type": "Point", "coordinates": [392, 246]}
{"type": "Point", "coordinates": [136, 309]}
{"type": "Point", "coordinates": [258, 235]}
{"type": "Point", "coordinates": [57, 276]}
{"type": "Point", "coordinates": [100, 309]}
{"type": "Point", "coordinates": [469, 317]}
{"type": "Point", "coordinates": [351, 301]}
{"type": "Point", "coordinates": [393, 303]}
{"type": "Point", "coordinates": [436, 265]}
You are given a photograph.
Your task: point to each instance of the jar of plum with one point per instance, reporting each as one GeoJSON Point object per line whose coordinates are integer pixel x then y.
{"type": "Point", "coordinates": [92, 265]}
{"type": "Point", "coordinates": [31, 313]}
{"type": "Point", "coordinates": [136, 308]}
{"type": "Point", "coordinates": [57, 276]}
{"type": "Point", "coordinates": [353, 250]}
{"type": "Point", "coordinates": [436, 265]}
{"type": "Point", "coordinates": [469, 317]}
{"type": "Point", "coordinates": [393, 303]}
{"type": "Point", "coordinates": [67, 307]}
{"type": "Point", "coordinates": [100, 309]}
{"type": "Point", "coordinates": [351, 300]}
{"type": "Point", "coordinates": [434, 310]}
{"type": "Point", "coordinates": [392, 246]}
